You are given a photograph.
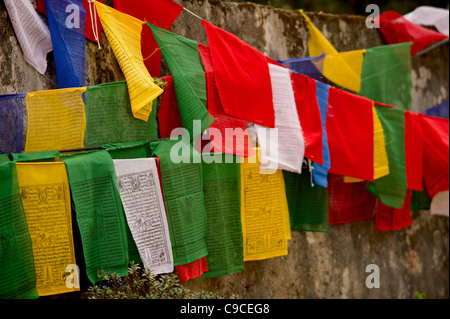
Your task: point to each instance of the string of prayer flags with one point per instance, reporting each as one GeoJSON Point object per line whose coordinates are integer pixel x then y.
{"type": "Point", "coordinates": [436, 156]}
{"type": "Point", "coordinates": [183, 58]}
{"type": "Point", "coordinates": [124, 35]}
{"type": "Point", "coordinates": [151, 11]}
{"type": "Point", "coordinates": [46, 201]}
{"type": "Point", "coordinates": [440, 110]}
{"type": "Point", "coordinates": [393, 219]}
{"type": "Point", "coordinates": [391, 189]}
{"type": "Point", "coordinates": [320, 172]}
{"type": "Point", "coordinates": [99, 212]}
{"type": "Point", "coordinates": [264, 212]}
{"type": "Point", "coordinates": [305, 90]}
{"type": "Point", "coordinates": [310, 66]}
{"type": "Point", "coordinates": [192, 270]}
{"type": "Point", "coordinates": [351, 145]}
{"type": "Point", "coordinates": [308, 205]}
{"type": "Point", "coordinates": [56, 120]}
{"type": "Point", "coordinates": [414, 144]}
{"type": "Point", "coordinates": [242, 77]}
{"type": "Point", "coordinates": [349, 202]}
{"type": "Point", "coordinates": [225, 128]}
{"type": "Point", "coordinates": [31, 32]}
{"type": "Point", "coordinates": [109, 118]}
{"type": "Point", "coordinates": [168, 114]}
{"type": "Point", "coordinates": [430, 16]}
{"type": "Point", "coordinates": [221, 185]}
{"type": "Point", "coordinates": [69, 43]}
{"type": "Point", "coordinates": [284, 146]}
{"type": "Point", "coordinates": [386, 75]}
{"type": "Point", "coordinates": [89, 20]}
{"type": "Point", "coordinates": [183, 195]}
{"type": "Point", "coordinates": [144, 208]}
{"type": "Point", "coordinates": [12, 111]}
{"type": "Point", "coordinates": [17, 271]}
{"type": "Point", "coordinates": [396, 29]}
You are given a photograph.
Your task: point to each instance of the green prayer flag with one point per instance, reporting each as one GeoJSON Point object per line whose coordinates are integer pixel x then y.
{"type": "Point", "coordinates": [183, 58]}
{"type": "Point", "coordinates": [17, 273]}
{"type": "Point", "coordinates": [49, 156]}
{"type": "Point", "coordinates": [99, 212]}
{"type": "Point", "coordinates": [386, 75]}
{"type": "Point", "coordinates": [391, 189]}
{"type": "Point", "coordinates": [308, 205]}
{"type": "Point", "coordinates": [109, 118]}
{"type": "Point", "coordinates": [131, 150]}
{"type": "Point", "coordinates": [420, 201]}
{"type": "Point", "coordinates": [221, 184]}
{"type": "Point", "coordinates": [182, 184]}
{"type": "Point", "coordinates": [4, 158]}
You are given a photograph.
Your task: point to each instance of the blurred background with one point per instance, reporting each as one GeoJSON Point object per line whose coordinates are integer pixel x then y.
{"type": "Point", "coordinates": [350, 6]}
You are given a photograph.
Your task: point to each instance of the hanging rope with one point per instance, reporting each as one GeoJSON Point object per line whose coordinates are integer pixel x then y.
{"type": "Point", "coordinates": [93, 12]}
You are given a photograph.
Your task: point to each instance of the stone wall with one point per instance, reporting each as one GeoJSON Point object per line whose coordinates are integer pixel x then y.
{"type": "Point", "coordinates": [318, 265]}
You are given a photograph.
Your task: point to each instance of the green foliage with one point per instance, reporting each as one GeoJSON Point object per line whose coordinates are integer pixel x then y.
{"type": "Point", "coordinates": [420, 295]}
{"type": "Point", "coordinates": [142, 284]}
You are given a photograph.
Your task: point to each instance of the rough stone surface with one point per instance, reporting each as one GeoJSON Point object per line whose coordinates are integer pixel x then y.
{"type": "Point", "coordinates": [318, 265]}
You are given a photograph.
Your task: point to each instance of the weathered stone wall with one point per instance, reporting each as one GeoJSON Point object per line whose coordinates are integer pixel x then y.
{"type": "Point", "coordinates": [318, 265]}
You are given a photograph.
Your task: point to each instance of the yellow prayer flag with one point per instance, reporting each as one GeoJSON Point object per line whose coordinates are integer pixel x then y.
{"type": "Point", "coordinates": [344, 69]}
{"type": "Point", "coordinates": [56, 120]}
{"type": "Point", "coordinates": [264, 212]}
{"type": "Point", "coordinates": [124, 34]}
{"type": "Point", "coordinates": [380, 158]}
{"type": "Point", "coordinates": [46, 201]}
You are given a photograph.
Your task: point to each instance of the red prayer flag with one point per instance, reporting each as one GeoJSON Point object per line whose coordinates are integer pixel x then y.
{"type": "Point", "coordinates": [309, 115]}
{"type": "Point", "coordinates": [413, 151]}
{"type": "Point", "coordinates": [161, 13]}
{"type": "Point", "coordinates": [227, 144]}
{"type": "Point", "coordinates": [168, 115]}
{"type": "Point", "coordinates": [436, 154]}
{"type": "Point", "coordinates": [349, 127]}
{"type": "Point", "coordinates": [88, 30]}
{"type": "Point", "coordinates": [242, 77]}
{"type": "Point", "coordinates": [396, 29]}
{"type": "Point", "coordinates": [192, 270]}
{"type": "Point", "coordinates": [349, 202]}
{"type": "Point", "coordinates": [392, 219]}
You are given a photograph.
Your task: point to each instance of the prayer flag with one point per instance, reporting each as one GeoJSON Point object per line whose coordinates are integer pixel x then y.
{"type": "Point", "coordinates": [12, 112]}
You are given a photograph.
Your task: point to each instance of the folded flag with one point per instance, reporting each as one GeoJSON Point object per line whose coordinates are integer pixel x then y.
{"type": "Point", "coordinates": [161, 13]}
{"type": "Point", "coordinates": [397, 29]}
{"type": "Point", "coordinates": [242, 77]}
{"type": "Point", "coordinates": [12, 112]}
{"type": "Point", "coordinates": [31, 32]}
{"type": "Point", "coordinates": [192, 270]}
{"type": "Point", "coordinates": [392, 219]}
{"type": "Point", "coordinates": [311, 66]}
{"type": "Point", "coordinates": [124, 34]}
